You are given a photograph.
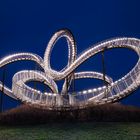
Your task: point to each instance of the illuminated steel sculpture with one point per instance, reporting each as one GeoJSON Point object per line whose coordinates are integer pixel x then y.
{"type": "Point", "coordinates": [109, 93]}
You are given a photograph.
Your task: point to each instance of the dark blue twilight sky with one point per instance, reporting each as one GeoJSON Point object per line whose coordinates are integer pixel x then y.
{"type": "Point", "coordinates": [26, 26]}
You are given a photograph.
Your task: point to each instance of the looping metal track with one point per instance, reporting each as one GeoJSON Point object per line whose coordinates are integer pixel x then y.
{"type": "Point", "coordinates": [105, 94]}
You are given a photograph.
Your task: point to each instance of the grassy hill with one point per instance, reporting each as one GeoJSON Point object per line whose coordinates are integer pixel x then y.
{"type": "Point", "coordinates": [105, 113]}
{"type": "Point", "coordinates": [108, 122]}
{"type": "Point", "coordinates": [73, 131]}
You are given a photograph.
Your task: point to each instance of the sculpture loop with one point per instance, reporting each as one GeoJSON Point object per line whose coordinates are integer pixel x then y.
{"type": "Point", "coordinates": [114, 91]}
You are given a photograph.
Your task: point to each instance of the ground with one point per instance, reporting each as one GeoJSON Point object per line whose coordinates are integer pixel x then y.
{"type": "Point", "coordinates": [73, 131]}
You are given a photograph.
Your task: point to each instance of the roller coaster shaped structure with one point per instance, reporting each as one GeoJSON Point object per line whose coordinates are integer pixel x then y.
{"type": "Point", "coordinates": [114, 91]}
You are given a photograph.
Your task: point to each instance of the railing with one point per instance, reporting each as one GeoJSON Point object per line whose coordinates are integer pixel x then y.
{"type": "Point", "coordinates": [118, 89]}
